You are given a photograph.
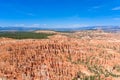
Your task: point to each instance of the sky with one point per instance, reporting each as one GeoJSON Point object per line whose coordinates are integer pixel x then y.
{"type": "Point", "coordinates": [59, 13]}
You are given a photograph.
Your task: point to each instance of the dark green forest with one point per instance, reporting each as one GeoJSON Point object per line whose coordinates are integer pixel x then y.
{"type": "Point", "coordinates": [24, 35]}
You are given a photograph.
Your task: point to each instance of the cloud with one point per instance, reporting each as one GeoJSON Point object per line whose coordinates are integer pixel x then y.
{"type": "Point", "coordinates": [96, 7]}
{"type": "Point", "coordinates": [116, 18]}
{"type": "Point", "coordinates": [24, 25]}
{"type": "Point", "coordinates": [31, 25]}
{"type": "Point", "coordinates": [116, 8]}
{"type": "Point", "coordinates": [27, 13]}
{"type": "Point", "coordinates": [35, 25]}
{"type": "Point", "coordinates": [30, 14]}
{"type": "Point", "coordinates": [68, 25]}
{"type": "Point", "coordinates": [74, 17]}
{"type": "Point", "coordinates": [79, 25]}
{"type": "Point", "coordinates": [19, 25]}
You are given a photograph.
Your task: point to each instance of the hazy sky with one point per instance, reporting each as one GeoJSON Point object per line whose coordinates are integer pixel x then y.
{"type": "Point", "coordinates": [59, 13]}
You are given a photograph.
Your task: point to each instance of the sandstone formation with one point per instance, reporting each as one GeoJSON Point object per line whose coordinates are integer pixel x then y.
{"type": "Point", "coordinates": [60, 58]}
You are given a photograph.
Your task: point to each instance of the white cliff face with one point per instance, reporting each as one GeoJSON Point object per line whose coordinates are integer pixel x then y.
{"type": "Point", "coordinates": [3, 78]}
{"type": "Point", "coordinates": [78, 79]}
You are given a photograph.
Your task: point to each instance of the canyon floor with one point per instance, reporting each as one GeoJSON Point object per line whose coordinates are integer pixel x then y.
{"type": "Point", "coordinates": [79, 55]}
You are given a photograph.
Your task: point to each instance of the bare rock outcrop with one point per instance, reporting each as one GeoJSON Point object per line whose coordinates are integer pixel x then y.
{"type": "Point", "coordinates": [59, 58]}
